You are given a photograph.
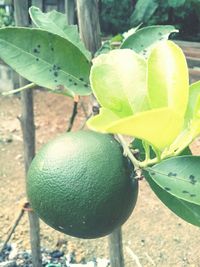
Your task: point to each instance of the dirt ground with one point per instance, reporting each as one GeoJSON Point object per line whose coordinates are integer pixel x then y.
{"type": "Point", "coordinates": [153, 234]}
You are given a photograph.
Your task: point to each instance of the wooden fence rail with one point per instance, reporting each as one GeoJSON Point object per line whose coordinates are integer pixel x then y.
{"type": "Point", "coordinates": [192, 53]}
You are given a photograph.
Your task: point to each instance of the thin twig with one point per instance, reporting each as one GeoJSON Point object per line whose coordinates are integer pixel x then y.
{"type": "Point", "coordinates": [84, 109]}
{"type": "Point", "coordinates": [133, 256]}
{"type": "Point", "coordinates": [28, 86]}
{"type": "Point", "coordinates": [84, 123]}
{"type": "Point", "coordinates": [12, 230]}
{"type": "Point", "coordinates": [74, 113]}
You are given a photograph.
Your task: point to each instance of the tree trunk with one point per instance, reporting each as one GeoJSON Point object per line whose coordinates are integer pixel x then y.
{"type": "Point", "coordinates": [28, 130]}
{"type": "Point", "coordinates": [70, 11]}
{"type": "Point", "coordinates": [89, 27]}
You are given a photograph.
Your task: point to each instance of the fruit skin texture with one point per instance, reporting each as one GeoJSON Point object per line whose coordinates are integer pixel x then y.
{"type": "Point", "coordinates": [80, 184]}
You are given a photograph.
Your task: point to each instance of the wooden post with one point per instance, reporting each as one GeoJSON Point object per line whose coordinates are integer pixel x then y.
{"type": "Point", "coordinates": [88, 20]}
{"type": "Point", "coordinates": [116, 248]}
{"type": "Point", "coordinates": [28, 130]}
{"type": "Point", "coordinates": [70, 11]}
{"type": "Point", "coordinates": [89, 27]}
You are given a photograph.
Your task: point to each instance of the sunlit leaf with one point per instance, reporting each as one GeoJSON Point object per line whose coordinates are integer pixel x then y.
{"type": "Point", "coordinates": [192, 121]}
{"type": "Point", "coordinates": [168, 82]}
{"type": "Point", "coordinates": [118, 80]}
{"type": "Point", "coordinates": [193, 108]}
{"type": "Point", "coordinates": [102, 121]}
{"type": "Point", "coordinates": [158, 127]}
{"type": "Point", "coordinates": [46, 59]}
{"type": "Point", "coordinates": [144, 39]}
{"type": "Point", "coordinates": [56, 22]}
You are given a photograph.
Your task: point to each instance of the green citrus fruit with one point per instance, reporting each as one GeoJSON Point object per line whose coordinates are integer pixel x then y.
{"type": "Point", "coordinates": [81, 184]}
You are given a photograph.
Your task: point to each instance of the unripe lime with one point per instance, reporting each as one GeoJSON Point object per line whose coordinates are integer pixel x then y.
{"type": "Point", "coordinates": [81, 184]}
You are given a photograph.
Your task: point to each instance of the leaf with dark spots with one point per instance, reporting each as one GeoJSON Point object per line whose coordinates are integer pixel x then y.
{"type": "Point", "coordinates": [191, 177]}
{"type": "Point", "coordinates": [183, 184]}
{"type": "Point", "coordinates": [17, 50]}
{"type": "Point", "coordinates": [35, 50]}
{"type": "Point", "coordinates": [56, 23]}
{"type": "Point", "coordinates": [188, 211]}
{"type": "Point", "coordinates": [167, 188]}
{"type": "Point", "coordinates": [148, 37]}
{"type": "Point", "coordinates": [193, 182]}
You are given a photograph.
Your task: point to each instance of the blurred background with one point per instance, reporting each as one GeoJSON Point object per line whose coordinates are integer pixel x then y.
{"type": "Point", "coordinates": [118, 16]}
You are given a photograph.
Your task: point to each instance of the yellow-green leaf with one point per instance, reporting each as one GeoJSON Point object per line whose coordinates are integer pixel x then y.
{"type": "Point", "coordinates": [102, 121]}
{"type": "Point", "coordinates": [168, 82]}
{"type": "Point", "coordinates": [193, 107]}
{"type": "Point", "coordinates": [191, 124]}
{"type": "Point", "coordinates": [159, 127]}
{"type": "Point", "coordinates": [118, 81]}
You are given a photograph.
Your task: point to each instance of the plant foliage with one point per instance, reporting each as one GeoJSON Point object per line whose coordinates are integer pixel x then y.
{"type": "Point", "coordinates": [119, 16]}
{"type": "Point", "coordinates": [142, 87]}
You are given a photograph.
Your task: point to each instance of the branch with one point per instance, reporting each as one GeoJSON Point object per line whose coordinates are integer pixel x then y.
{"type": "Point", "coordinates": [74, 113]}
{"type": "Point", "coordinates": [12, 230]}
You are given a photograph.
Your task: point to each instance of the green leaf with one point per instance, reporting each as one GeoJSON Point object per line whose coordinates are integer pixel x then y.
{"type": "Point", "coordinates": [118, 80]}
{"type": "Point", "coordinates": [180, 177]}
{"type": "Point", "coordinates": [46, 59]}
{"type": "Point", "coordinates": [56, 23]}
{"type": "Point", "coordinates": [158, 127]}
{"type": "Point", "coordinates": [176, 3]}
{"type": "Point", "coordinates": [105, 48]}
{"type": "Point", "coordinates": [138, 144]}
{"type": "Point", "coordinates": [143, 11]}
{"type": "Point", "coordinates": [186, 151]}
{"type": "Point", "coordinates": [187, 211]}
{"type": "Point", "coordinates": [144, 39]}
{"type": "Point", "coordinates": [168, 81]}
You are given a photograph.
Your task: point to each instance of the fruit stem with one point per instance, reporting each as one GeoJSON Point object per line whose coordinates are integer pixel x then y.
{"type": "Point", "coordinates": [127, 152]}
